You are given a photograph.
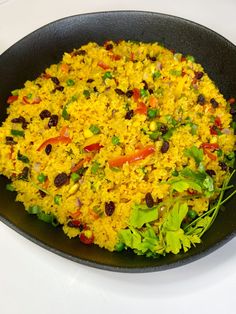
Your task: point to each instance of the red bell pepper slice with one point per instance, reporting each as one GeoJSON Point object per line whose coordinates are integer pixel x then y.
{"type": "Point", "coordinates": [55, 140]}
{"type": "Point", "coordinates": [79, 164]}
{"type": "Point", "coordinates": [92, 147]}
{"type": "Point", "coordinates": [211, 146]}
{"type": "Point", "coordinates": [218, 122]}
{"type": "Point", "coordinates": [86, 240]}
{"type": "Point", "coordinates": [25, 100]}
{"type": "Point", "coordinates": [103, 65]}
{"type": "Point", "coordinates": [136, 94]}
{"type": "Point", "coordinates": [139, 155]}
{"type": "Point", "coordinates": [208, 148]}
{"type": "Point", "coordinates": [141, 109]}
{"type": "Point", "coordinates": [11, 99]}
{"type": "Point", "coordinates": [132, 56]}
{"type": "Point", "coordinates": [209, 154]}
{"type": "Point", "coordinates": [115, 57]}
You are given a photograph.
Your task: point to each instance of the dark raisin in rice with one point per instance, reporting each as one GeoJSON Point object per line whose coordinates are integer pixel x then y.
{"type": "Point", "coordinates": [53, 120]}
{"type": "Point", "coordinates": [60, 179]}
{"type": "Point", "coordinates": [129, 114]}
{"type": "Point", "coordinates": [109, 208]}
{"type": "Point", "coordinates": [149, 200]}
{"type": "Point", "coordinates": [55, 80]}
{"type": "Point", "coordinates": [45, 114]}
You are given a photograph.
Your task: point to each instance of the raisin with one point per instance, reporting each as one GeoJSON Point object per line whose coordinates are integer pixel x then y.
{"type": "Point", "coordinates": [42, 193]}
{"type": "Point", "coordinates": [129, 93]}
{"type": "Point", "coordinates": [55, 80]}
{"type": "Point", "coordinates": [163, 129]}
{"type": "Point", "coordinates": [214, 103]}
{"type": "Point", "coordinates": [95, 89]}
{"type": "Point", "coordinates": [129, 114]}
{"type": "Point", "coordinates": [48, 149]}
{"type": "Point", "coordinates": [145, 85]}
{"type": "Point", "coordinates": [151, 58]}
{"type": "Point", "coordinates": [119, 91]}
{"type": "Point", "coordinates": [151, 91]}
{"type": "Point", "coordinates": [210, 172]}
{"type": "Point", "coordinates": [18, 120]}
{"type": "Point", "coordinates": [165, 146]}
{"type": "Point", "coordinates": [80, 52]}
{"type": "Point", "coordinates": [45, 114]}
{"type": "Point", "coordinates": [149, 200]}
{"type": "Point", "coordinates": [201, 99]}
{"type": "Point", "coordinates": [75, 224]}
{"type": "Point", "coordinates": [59, 88]}
{"type": "Point", "coordinates": [199, 75]}
{"type": "Point", "coordinates": [109, 208]}
{"type": "Point", "coordinates": [24, 174]}
{"type": "Point", "coordinates": [60, 179]}
{"type": "Point", "coordinates": [24, 125]}
{"type": "Point", "coordinates": [90, 80]}
{"type": "Point", "coordinates": [10, 140]}
{"type": "Point", "coordinates": [109, 46]}
{"type": "Point", "coordinates": [232, 110]}
{"type": "Point", "coordinates": [53, 120]}
{"type": "Point", "coordinates": [223, 166]}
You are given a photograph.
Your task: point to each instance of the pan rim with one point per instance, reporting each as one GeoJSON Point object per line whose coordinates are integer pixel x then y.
{"type": "Point", "coordinates": [100, 265]}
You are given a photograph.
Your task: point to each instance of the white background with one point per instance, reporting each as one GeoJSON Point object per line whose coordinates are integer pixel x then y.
{"type": "Point", "coordinates": [35, 281]}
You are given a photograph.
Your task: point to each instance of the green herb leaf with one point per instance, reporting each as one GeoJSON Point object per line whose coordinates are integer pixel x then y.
{"type": "Point", "coordinates": [10, 187]}
{"type": "Point", "coordinates": [175, 72]}
{"type": "Point", "coordinates": [115, 140]}
{"type": "Point", "coordinates": [22, 158]}
{"type": "Point", "coordinates": [142, 214]}
{"type": "Point", "coordinates": [107, 75]}
{"type": "Point", "coordinates": [195, 153]}
{"type": "Point", "coordinates": [17, 133]}
{"type": "Point", "coordinates": [65, 113]}
{"type": "Point", "coordinates": [95, 167]}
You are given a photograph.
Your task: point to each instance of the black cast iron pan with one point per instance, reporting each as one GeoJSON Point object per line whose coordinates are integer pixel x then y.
{"type": "Point", "coordinates": [31, 55]}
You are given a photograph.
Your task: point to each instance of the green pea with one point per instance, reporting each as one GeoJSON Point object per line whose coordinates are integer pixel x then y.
{"type": "Point", "coordinates": [57, 199]}
{"type": "Point", "coordinates": [156, 74]}
{"type": "Point", "coordinates": [143, 92]}
{"type": "Point", "coordinates": [86, 93]}
{"type": "Point", "coordinates": [70, 82]}
{"type": "Point", "coordinates": [107, 75]}
{"type": "Point", "coordinates": [119, 247]}
{"type": "Point", "coordinates": [154, 135]}
{"type": "Point", "coordinates": [190, 58]}
{"type": "Point", "coordinates": [94, 129]}
{"type": "Point", "coordinates": [192, 214]}
{"type": "Point", "coordinates": [34, 209]}
{"type": "Point", "coordinates": [75, 176]}
{"type": "Point", "coordinates": [152, 113]}
{"type": "Point", "coordinates": [41, 178]}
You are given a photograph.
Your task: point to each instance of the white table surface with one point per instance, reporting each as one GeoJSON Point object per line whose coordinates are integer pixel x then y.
{"type": "Point", "coordinates": [35, 281]}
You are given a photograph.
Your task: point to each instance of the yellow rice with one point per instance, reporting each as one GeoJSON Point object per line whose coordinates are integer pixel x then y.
{"type": "Point", "coordinates": [95, 102]}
